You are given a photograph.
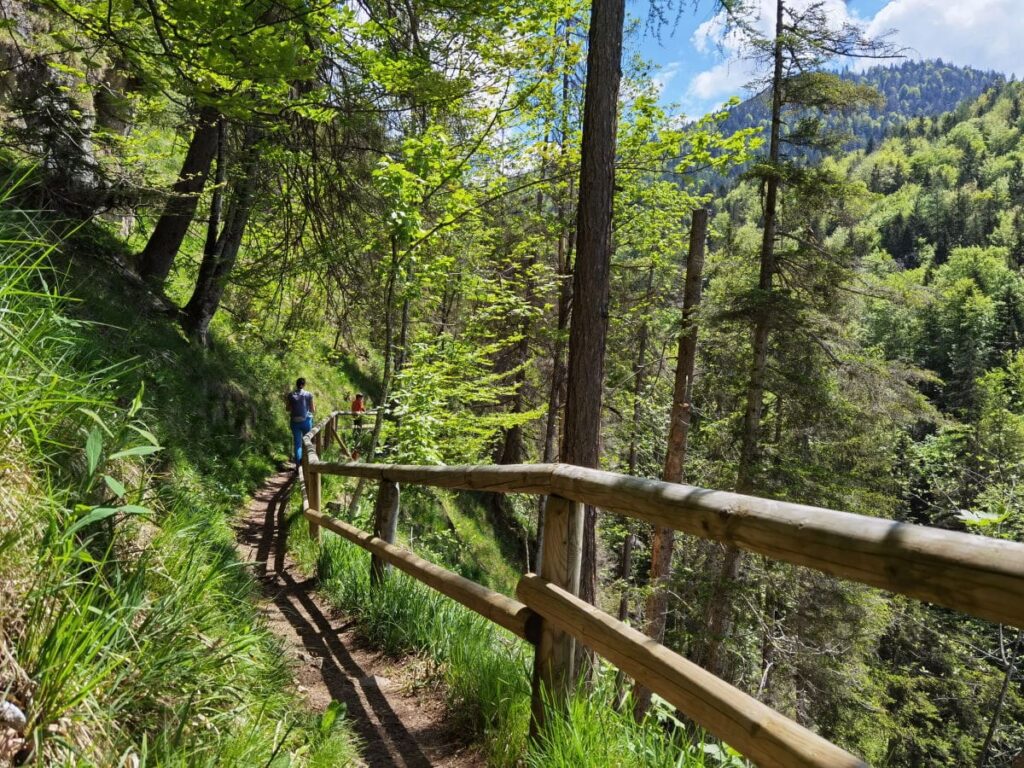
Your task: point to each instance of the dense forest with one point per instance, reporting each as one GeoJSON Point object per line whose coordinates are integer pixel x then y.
{"type": "Point", "coordinates": [464, 212]}
{"type": "Point", "coordinates": [909, 89]}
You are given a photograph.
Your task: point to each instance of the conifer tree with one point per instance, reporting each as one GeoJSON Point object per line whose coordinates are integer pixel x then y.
{"type": "Point", "coordinates": [803, 41]}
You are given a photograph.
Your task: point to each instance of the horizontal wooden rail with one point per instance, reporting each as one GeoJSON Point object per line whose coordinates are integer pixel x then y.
{"type": "Point", "coordinates": [756, 730]}
{"type": "Point", "coordinates": [508, 478]}
{"type": "Point", "coordinates": [504, 611]}
{"type": "Point", "coordinates": [966, 572]}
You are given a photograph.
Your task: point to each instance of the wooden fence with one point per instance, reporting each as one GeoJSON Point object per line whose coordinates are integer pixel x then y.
{"type": "Point", "coordinates": [972, 574]}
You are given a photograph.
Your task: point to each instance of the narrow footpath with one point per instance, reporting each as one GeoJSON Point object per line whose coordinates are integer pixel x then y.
{"type": "Point", "coordinates": [330, 662]}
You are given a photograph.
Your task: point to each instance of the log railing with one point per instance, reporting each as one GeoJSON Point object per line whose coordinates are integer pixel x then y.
{"type": "Point", "coordinates": [980, 576]}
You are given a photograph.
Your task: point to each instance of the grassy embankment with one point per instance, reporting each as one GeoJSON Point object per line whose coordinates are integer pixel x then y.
{"type": "Point", "coordinates": [128, 633]}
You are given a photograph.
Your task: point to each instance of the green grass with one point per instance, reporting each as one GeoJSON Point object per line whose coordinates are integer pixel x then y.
{"type": "Point", "coordinates": [127, 624]}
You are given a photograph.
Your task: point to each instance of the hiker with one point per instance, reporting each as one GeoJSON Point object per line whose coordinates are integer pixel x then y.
{"type": "Point", "coordinates": [358, 406]}
{"type": "Point", "coordinates": [299, 405]}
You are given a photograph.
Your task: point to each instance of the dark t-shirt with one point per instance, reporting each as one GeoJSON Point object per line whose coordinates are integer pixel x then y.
{"type": "Point", "coordinates": [300, 404]}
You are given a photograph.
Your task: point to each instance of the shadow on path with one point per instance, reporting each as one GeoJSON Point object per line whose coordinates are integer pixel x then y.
{"type": "Point", "coordinates": [344, 677]}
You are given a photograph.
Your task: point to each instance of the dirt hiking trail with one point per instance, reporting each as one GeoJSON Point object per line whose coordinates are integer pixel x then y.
{"type": "Point", "coordinates": [329, 660]}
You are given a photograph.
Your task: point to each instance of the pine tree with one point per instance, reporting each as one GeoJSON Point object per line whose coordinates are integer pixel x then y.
{"type": "Point", "coordinates": [802, 43]}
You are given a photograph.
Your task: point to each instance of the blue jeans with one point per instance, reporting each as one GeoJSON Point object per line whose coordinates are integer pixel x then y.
{"type": "Point", "coordinates": [300, 428]}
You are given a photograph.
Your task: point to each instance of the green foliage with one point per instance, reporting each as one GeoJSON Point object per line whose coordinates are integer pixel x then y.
{"type": "Point", "coordinates": [128, 631]}
{"type": "Point", "coordinates": [592, 734]}
{"type": "Point", "coordinates": [912, 94]}
{"type": "Point", "coordinates": [446, 397]}
{"type": "Point", "coordinates": [413, 237]}
{"type": "Point", "coordinates": [189, 47]}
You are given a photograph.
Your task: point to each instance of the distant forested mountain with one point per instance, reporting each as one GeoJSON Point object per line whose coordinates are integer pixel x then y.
{"type": "Point", "coordinates": [952, 181]}
{"type": "Point", "coordinates": [910, 89]}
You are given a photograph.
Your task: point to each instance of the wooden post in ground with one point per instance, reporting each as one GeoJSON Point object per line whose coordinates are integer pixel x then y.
{"type": "Point", "coordinates": [385, 524]}
{"type": "Point", "coordinates": [312, 481]}
{"type": "Point", "coordinates": [553, 673]}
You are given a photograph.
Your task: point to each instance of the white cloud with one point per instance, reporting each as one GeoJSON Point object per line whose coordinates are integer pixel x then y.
{"type": "Point", "coordinates": [731, 74]}
{"type": "Point", "coordinates": [666, 75]}
{"type": "Point", "coordinates": [981, 33]}
{"type": "Point", "coordinates": [986, 34]}
{"type": "Point", "coordinates": [721, 81]}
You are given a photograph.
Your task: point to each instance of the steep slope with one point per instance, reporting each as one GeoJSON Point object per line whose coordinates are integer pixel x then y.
{"type": "Point", "coordinates": [919, 251]}
{"type": "Point", "coordinates": [127, 631]}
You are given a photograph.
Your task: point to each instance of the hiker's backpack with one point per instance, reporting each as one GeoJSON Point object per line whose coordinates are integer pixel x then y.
{"type": "Point", "coordinates": [298, 403]}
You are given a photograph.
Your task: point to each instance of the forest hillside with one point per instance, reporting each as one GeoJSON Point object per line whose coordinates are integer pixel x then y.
{"type": "Point", "coordinates": [909, 88]}
{"type": "Point", "coordinates": [486, 220]}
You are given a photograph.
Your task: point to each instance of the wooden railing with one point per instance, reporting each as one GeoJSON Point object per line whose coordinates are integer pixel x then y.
{"type": "Point", "coordinates": [972, 574]}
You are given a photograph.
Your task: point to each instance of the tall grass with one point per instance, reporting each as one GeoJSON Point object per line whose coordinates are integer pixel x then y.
{"type": "Point", "coordinates": [127, 631]}
{"type": "Point", "coordinates": [486, 671]}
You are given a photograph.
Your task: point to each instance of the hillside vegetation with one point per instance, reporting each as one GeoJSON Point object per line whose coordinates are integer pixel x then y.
{"type": "Point", "coordinates": [930, 240]}
{"type": "Point", "coordinates": [908, 89]}
{"type": "Point", "coordinates": [128, 631]}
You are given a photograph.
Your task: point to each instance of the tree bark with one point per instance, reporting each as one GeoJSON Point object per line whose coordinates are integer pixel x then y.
{"type": "Point", "coordinates": [222, 250]}
{"type": "Point", "coordinates": [638, 376]}
{"type": "Point", "coordinates": [663, 539]}
{"type": "Point", "coordinates": [158, 256]}
{"type": "Point", "coordinates": [565, 247]}
{"type": "Point", "coordinates": [625, 571]}
{"type": "Point", "coordinates": [589, 327]}
{"type": "Point", "coordinates": [217, 201]}
{"type": "Point", "coordinates": [719, 624]}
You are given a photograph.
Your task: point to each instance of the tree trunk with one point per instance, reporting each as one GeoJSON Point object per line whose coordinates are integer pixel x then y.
{"type": "Point", "coordinates": [638, 376]}
{"type": "Point", "coordinates": [589, 328]}
{"type": "Point", "coordinates": [156, 259]}
{"type": "Point", "coordinates": [389, 352]}
{"type": "Point", "coordinates": [626, 559]}
{"type": "Point", "coordinates": [719, 624]}
{"type": "Point", "coordinates": [625, 571]}
{"type": "Point", "coordinates": [222, 250]}
{"type": "Point", "coordinates": [565, 247]}
{"type": "Point", "coordinates": [1011, 667]}
{"type": "Point", "coordinates": [217, 202]}
{"type": "Point", "coordinates": [663, 539]}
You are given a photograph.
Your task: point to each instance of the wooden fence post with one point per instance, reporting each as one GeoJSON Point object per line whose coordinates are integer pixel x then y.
{"type": "Point", "coordinates": [553, 674]}
{"type": "Point", "coordinates": [385, 524]}
{"type": "Point", "coordinates": [332, 429]}
{"type": "Point", "coordinates": [312, 480]}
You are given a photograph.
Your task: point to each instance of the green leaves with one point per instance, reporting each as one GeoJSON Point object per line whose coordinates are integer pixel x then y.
{"type": "Point", "coordinates": [115, 486]}
{"type": "Point", "coordinates": [138, 450]}
{"type": "Point", "coordinates": [335, 710]}
{"type": "Point", "coordinates": [98, 514]}
{"type": "Point", "coordinates": [93, 449]}
{"type": "Point", "coordinates": [980, 519]}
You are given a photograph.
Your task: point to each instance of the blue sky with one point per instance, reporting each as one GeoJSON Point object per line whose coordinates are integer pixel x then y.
{"type": "Point", "coordinates": [699, 69]}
